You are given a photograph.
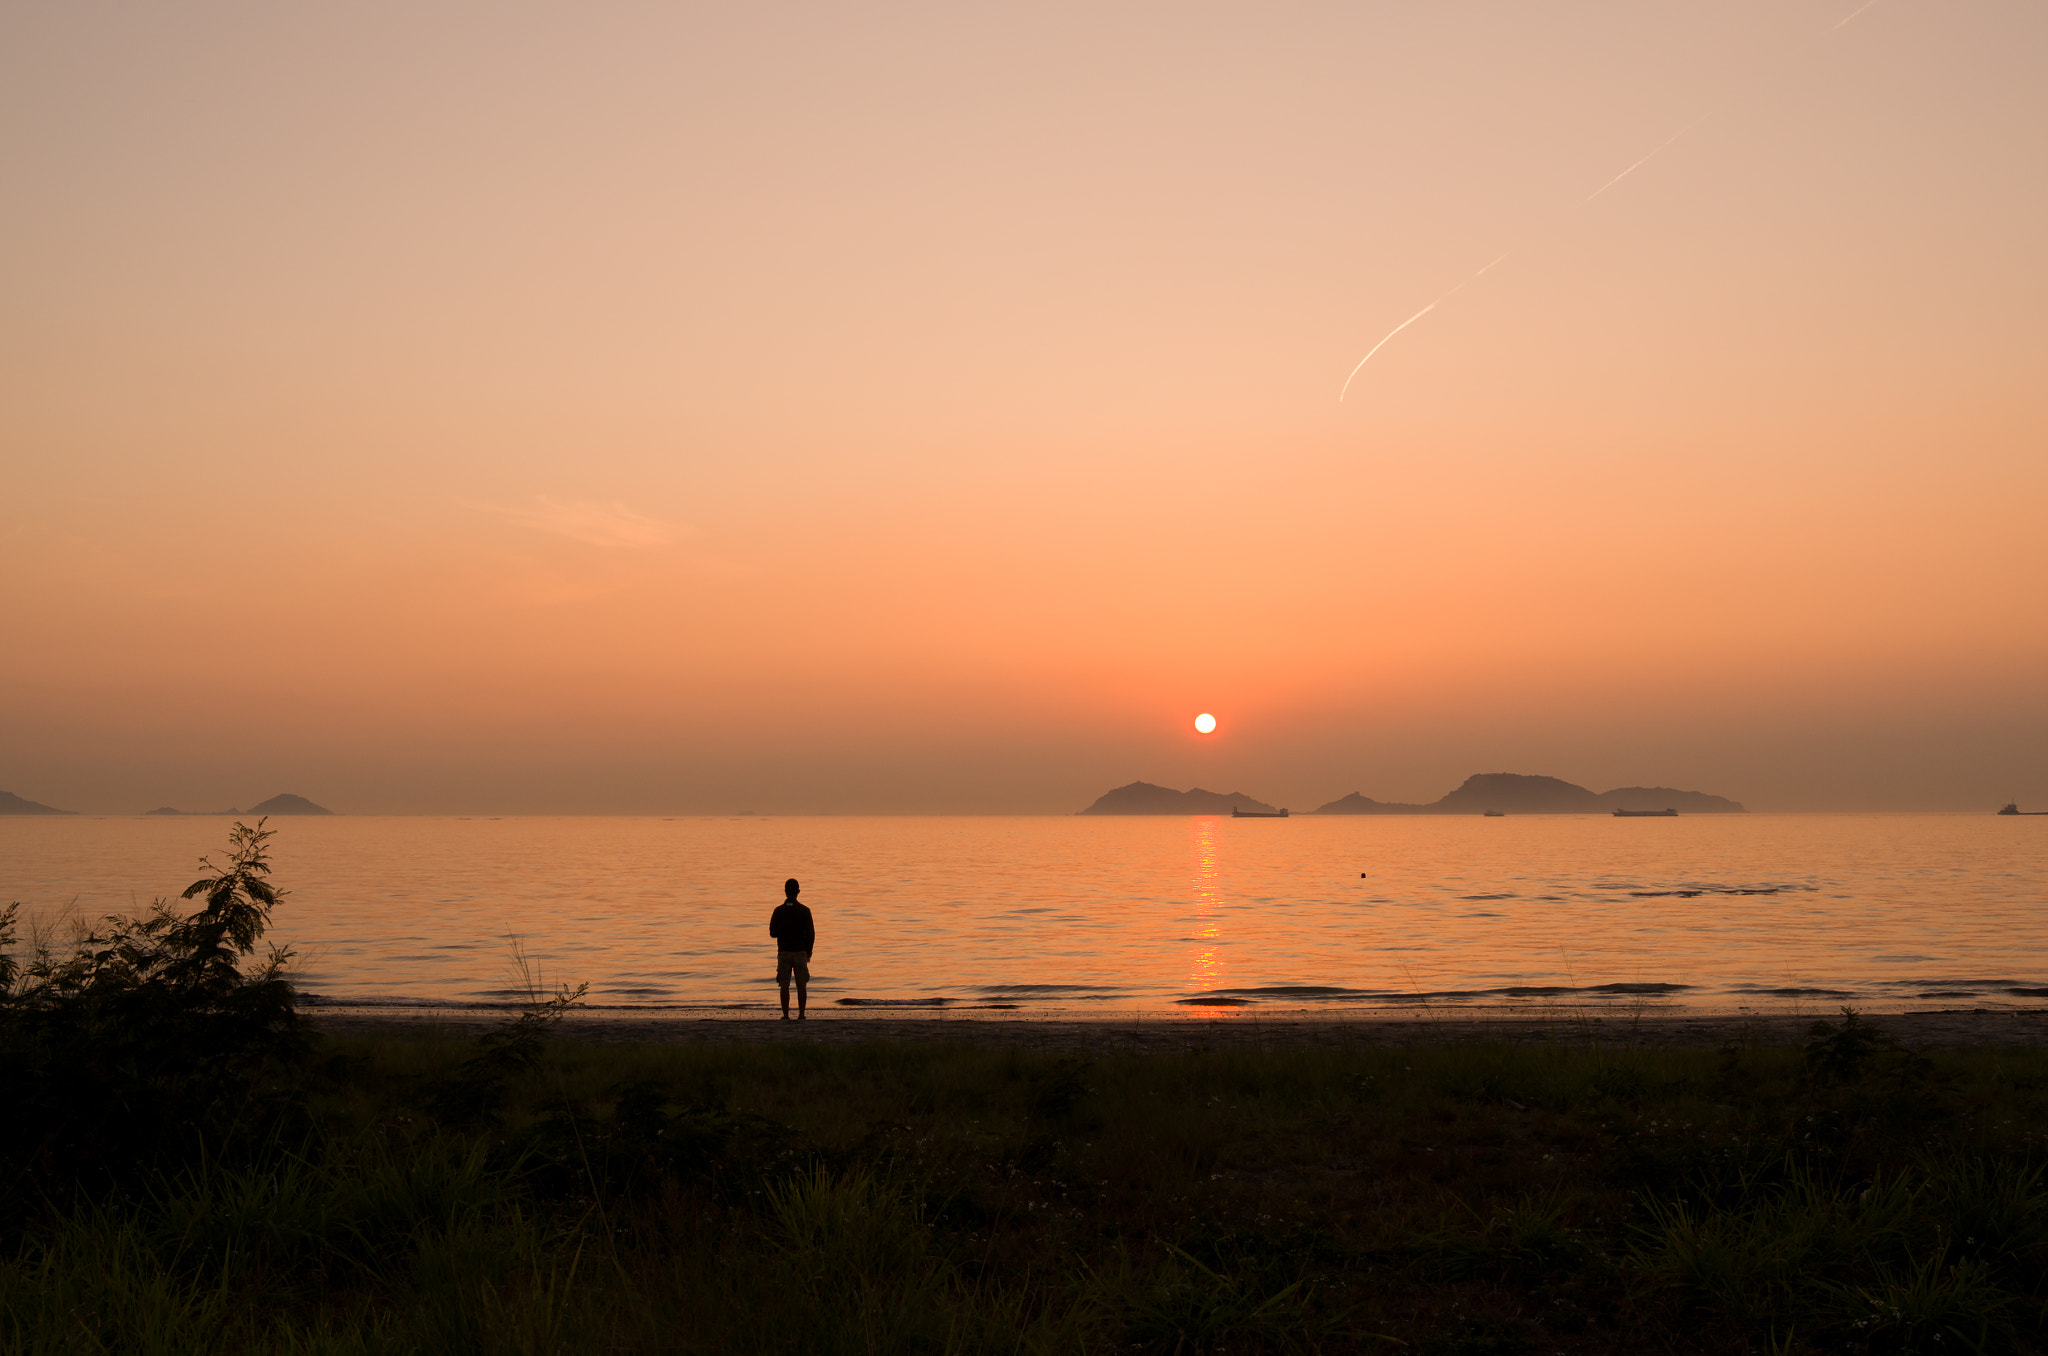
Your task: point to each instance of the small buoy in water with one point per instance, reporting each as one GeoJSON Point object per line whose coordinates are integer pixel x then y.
{"type": "Point", "coordinates": [1361, 875]}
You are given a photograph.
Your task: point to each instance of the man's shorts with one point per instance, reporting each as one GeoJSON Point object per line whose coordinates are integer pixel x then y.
{"type": "Point", "coordinates": [797, 962]}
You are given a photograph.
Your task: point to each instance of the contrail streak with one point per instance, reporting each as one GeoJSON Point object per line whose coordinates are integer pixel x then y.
{"type": "Point", "coordinates": [1410, 321]}
{"type": "Point", "coordinates": [1655, 151]}
{"type": "Point", "coordinates": [1382, 344]}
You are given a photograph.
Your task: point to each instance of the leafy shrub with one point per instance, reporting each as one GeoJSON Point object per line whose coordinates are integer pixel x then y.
{"type": "Point", "coordinates": [147, 1037]}
{"type": "Point", "coordinates": [1839, 1054]}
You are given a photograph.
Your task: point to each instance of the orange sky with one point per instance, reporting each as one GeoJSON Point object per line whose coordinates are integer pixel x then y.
{"type": "Point", "coordinates": [438, 407]}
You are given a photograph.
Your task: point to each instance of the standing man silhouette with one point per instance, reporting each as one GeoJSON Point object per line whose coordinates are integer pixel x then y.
{"type": "Point", "coordinates": [795, 934]}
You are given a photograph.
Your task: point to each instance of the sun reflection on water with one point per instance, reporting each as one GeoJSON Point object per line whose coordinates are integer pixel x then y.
{"type": "Point", "coordinates": [1097, 916]}
{"type": "Point", "coordinates": [1206, 969]}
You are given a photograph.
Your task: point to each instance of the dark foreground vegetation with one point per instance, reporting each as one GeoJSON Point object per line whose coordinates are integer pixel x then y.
{"type": "Point", "coordinates": [186, 1168]}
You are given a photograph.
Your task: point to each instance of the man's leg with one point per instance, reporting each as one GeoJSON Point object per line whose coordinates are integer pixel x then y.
{"type": "Point", "coordinates": [803, 989]}
{"type": "Point", "coordinates": [782, 983]}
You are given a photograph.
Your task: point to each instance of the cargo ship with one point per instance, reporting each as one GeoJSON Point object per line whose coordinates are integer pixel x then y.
{"type": "Point", "coordinates": [1236, 813]}
{"type": "Point", "coordinates": [1646, 814]}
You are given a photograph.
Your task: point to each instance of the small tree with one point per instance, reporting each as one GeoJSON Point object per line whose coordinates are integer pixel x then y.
{"type": "Point", "coordinates": [205, 949]}
{"type": "Point", "coordinates": [10, 968]}
{"type": "Point", "coordinates": [191, 960]}
{"type": "Point", "coordinates": [145, 1035]}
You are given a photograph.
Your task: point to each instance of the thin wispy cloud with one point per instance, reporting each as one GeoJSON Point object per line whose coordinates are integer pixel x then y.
{"type": "Point", "coordinates": [610, 525]}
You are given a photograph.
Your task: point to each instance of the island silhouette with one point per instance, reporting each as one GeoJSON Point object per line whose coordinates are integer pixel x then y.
{"type": "Point", "coordinates": [11, 804]}
{"type": "Point", "coordinates": [1517, 794]}
{"type": "Point", "coordinates": [1498, 793]}
{"type": "Point", "coordinates": [1143, 798]}
{"type": "Point", "coordinates": [286, 804]}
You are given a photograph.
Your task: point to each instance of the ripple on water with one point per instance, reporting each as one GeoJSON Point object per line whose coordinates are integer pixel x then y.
{"type": "Point", "coordinates": [1116, 914]}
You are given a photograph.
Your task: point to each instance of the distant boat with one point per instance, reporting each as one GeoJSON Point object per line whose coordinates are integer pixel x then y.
{"type": "Point", "coordinates": [2013, 808]}
{"type": "Point", "coordinates": [1646, 814]}
{"type": "Point", "coordinates": [1495, 814]}
{"type": "Point", "coordinates": [1236, 813]}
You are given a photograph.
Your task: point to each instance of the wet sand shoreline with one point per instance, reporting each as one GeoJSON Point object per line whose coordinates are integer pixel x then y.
{"type": "Point", "coordinates": [1961, 1028]}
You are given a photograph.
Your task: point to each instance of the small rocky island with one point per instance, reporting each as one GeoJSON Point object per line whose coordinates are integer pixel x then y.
{"type": "Point", "coordinates": [277, 805]}
{"type": "Point", "coordinates": [288, 805]}
{"type": "Point", "coordinates": [1143, 798]}
{"type": "Point", "coordinates": [1511, 793]}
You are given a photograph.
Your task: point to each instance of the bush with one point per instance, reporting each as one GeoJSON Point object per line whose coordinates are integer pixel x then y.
{"type": "Point", "coordinates": [146, 1038]}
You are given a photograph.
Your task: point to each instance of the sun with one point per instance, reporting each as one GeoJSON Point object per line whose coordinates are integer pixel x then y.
{"type": "Point", "coordinates": [1205, 723]}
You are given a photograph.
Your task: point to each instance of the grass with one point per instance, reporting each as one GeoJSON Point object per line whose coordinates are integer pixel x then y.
{"type": "Point", "coordinates": [1443, 1197]}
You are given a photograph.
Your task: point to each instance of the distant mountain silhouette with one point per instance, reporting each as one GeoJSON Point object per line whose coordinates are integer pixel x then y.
{"type": "Point", "coordinates": [289, 805]}
{"type": "Point", "coordinates": [11, 804]}
{"type": "Point", "coordinates": [1518, 794]}
{"type": "Point", "coordinates": [1513, 793]}
{"type": "Point", "coordinates": [1358, 803]}
{"type": "Point", "coordinates": [169, 810]}
{"type": "Point", "coordinates": [1143, 798]}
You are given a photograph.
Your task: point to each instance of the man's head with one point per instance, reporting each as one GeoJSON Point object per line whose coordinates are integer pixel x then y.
{"type": "Point", "coordinates": [790, 887]}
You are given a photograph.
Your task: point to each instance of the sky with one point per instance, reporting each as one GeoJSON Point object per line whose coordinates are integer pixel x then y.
{"type": "Point", "coordinates": [927, 408]}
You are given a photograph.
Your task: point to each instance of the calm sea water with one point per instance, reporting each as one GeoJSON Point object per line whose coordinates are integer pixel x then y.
{"type": "Point", "coordinates": [1167, 914]}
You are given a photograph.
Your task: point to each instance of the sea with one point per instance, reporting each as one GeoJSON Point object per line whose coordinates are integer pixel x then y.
{"type": "Point", "coordinates": [1079, 916]}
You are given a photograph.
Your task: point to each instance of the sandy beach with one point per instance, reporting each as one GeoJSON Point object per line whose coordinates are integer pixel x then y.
{"type": "Point", "coordinates": [1959, 1028]}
